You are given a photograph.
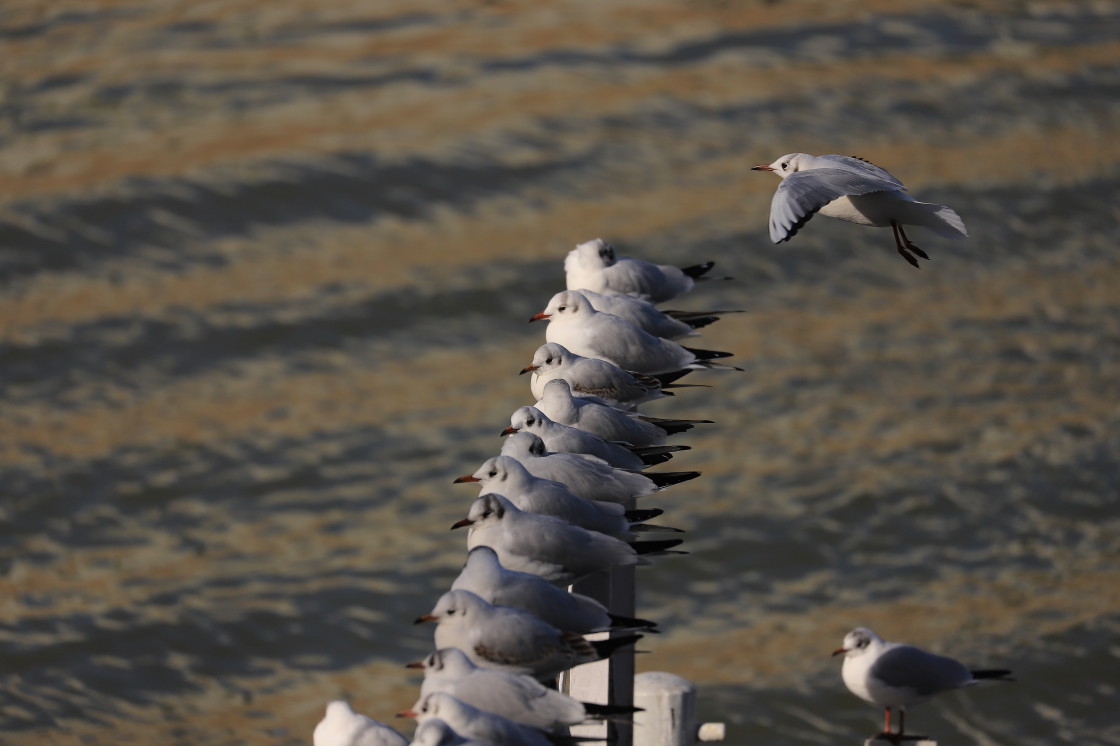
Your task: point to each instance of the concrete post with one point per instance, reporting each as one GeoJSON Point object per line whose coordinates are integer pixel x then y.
{"type": "Point", "coordinates": [668, 716]}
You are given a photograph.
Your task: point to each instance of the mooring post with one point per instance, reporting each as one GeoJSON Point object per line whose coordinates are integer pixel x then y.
{"type": "Point", "coordinates": [668, 716]}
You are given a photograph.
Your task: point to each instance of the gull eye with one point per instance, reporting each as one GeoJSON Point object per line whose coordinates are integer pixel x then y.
{"type": "Point", "coordinates": [451, 612]}
{"type": "Point", "coordinates": [493, 472]}
{"type": "Point", "coordinates": [562, 308]}
{"type": "Point", "coordinates": [785, 165]}
{"type": "Point", "coordinates": [548, 361]}
{"type": "Point", "coordinates": [487, 513]}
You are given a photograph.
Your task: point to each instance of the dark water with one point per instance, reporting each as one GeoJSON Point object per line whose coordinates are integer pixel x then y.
{"type": "Point", "coordinates": [264, 276]}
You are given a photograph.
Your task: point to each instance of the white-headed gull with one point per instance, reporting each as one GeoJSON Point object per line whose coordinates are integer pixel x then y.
{"type": "Point", "coordinates": [646, 315]}
{"type": "Point", "coordinates": [509, 639]}
{"type": "Point", "coordinates": [556, 550]}
{"type": "Point", "coordinates": [587, 476]}
{"type": "Point", "coordinates": [575, 324]}
{"type": "Point", "coordinates": [506, 476]}
{"type": "Point", "coordinates": [518, 697]}
{"type": "Point", "coordinates": [895, 676]}
{"type": "Point", "coordinates": [596, 416]}
{"type": "Point", "coordinates": [341, 726]}
{"type": "Point", "coordinates": [854, 190]}
{"type": "Point", "coordinates": [595, 265]}
{"type": "Point", "coordinates": [590, 376]}
{"type": "Point", "coordinates": [483, 575]}
{"type": "Point", "coordinates": [566, 439]}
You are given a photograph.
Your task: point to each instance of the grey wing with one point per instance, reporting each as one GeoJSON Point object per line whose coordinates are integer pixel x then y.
{"type": "Point", "coordinates": [800, 195]}
{"type": "Point", "coordinates": [859, 165]}
{"type": "Point", "coordinates": [907, 667]}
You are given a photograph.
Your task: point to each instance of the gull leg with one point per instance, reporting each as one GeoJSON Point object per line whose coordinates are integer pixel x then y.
{"type": "Point", "coordinates": [911, 245]}
{"type": "Point", "coordinates": [901, 723]}
{"type": "Point", "coordinates": [898, 244]}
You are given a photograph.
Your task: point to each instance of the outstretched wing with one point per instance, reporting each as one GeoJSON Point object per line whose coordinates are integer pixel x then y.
{"type": "Point", "coordinates": [802, 194]}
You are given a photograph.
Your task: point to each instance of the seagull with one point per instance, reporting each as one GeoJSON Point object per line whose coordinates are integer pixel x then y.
{"type": "Point", "coordinates": [595, 266]}
{"type": "Point", "coordinates": [596, 416]}
{"type": "Point", "coordinates": [435, 732]}
{"type": "Point", "coordinates": [486, 727]}
{"type": "Point", "coordinates": [506, 476]}
{"type": "Point", "coordinates": [509, 639]}
{"type": "Point", "coordinates": [566, 439]}
{"type": "Point", "coordinates": [893, 675]}
{"type": "Point", "coordinates": [518, 697]}
{"type": "Point", "coordinates": [483, 575]}
{"type": "Point", "coordinates": [341, 726]}
{"type": "Point", "coordinates": [575, 324]}
{"type": "Point", "coordinates": [587, 476]}
{"type": "Point", "coordinates": [855, 190]}
{"type": "Point", "coordinates": [646, 315]}
{"type": "Point", "coordinates": [589, 376]}
{"type": "Point", "coordinates": [556, 550]}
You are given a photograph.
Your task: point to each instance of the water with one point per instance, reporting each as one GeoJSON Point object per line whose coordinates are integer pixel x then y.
{"type": "Point", "coordinates": [265, 276]}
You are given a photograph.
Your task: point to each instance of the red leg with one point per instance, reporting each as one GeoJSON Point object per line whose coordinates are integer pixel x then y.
{"type": "Point", "coordinates": [887, 724]}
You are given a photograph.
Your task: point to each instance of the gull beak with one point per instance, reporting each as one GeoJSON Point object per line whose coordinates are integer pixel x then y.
{"type": "Point", "coordinates": [762, 167]}
{"type": "Point", "coordinates": [838, 651]}
{"type": "Point", "coordinates": [528, 368]}
{"type": "Point", "coordinates": [414, 664]}
{"type": "Point", "coordinates": [509, 431]}
{"type": "Point", "coordinates": [425, 618]}
{"type": "Point", "coordinates": [465, 478]}
{"type": "Point", "coordinates": [406, 714]}
{"type": "Point", "coordinates": [460, 524]}
{"type": "Point", "coordinates": [539, 316]}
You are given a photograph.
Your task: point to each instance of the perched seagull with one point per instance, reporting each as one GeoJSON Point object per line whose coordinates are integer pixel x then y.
{"type": "Point", "coordinates": [590, 376]}
{"type": "Point", "coordinates": [556, 550]}
{"type": "Point", "coordinates": [596, 416]}
{"type": "Point", "coordinates": [575, 324]}
{"type": "Point", "coordinates": [646, 315]}
{"type": "Point", "coordinates": [518, 697]}
{"type": "Point", "coordinates": [587, 476]}
{"type": "Point", "coordinates": [509, 639]}
{"type": "Point", "coordinates": [566, 439]}
{"type": "Point", "coordinates": [486, 727]}
{"type": "Point", "coordinates": [341, 726]}
{"type": "Point", "coordinates": [483, 575]}
{"type": "Point", "coordinates": [893, 675]}
{"type": "Point", "coordinates": [506, 476]}
{"type": "Point", "coordinates": [435, 732]}
{"type": "Point", "coordinates": [852, 189]}
{"type": "Point", "coordinates": [595, 266]}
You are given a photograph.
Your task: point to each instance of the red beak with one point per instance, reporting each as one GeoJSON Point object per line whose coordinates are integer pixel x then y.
{"type": "Point", "coordinates": [406, 714]}
{"type": "Point", "coordinates": [425, 618]}
{"type": "Point", "coordinates": [460, 524]}
{"type": "Point", "coordinates": [528, 368]}
{"type": "Point", "coordinates": [509, 431]}
{"type": "Point", "coordinates": [762, 167]}
{"type": "Point", "coordinates": [539, 316]}
{"type": "Point", "coordinates": [465, 478]}
{"type": "Point", "coordinates": [838, 651]}
{"type": "Point", "coordinates": [414, 664]}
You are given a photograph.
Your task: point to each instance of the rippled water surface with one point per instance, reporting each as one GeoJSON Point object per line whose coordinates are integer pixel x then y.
{"type": "Point", "coordinates": [264, 276]}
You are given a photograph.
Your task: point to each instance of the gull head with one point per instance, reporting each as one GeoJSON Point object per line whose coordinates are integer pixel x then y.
{"type": "Point", "coordinates": [857, 642]}
{"type": "Point", "coordinates": [786, 165]}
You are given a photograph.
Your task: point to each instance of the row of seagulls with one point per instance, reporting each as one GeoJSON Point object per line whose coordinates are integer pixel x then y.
{"type": "Point", "coordinates": [555, 506]}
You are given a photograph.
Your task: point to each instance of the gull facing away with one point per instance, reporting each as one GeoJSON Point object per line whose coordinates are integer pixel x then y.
{"type": "Point", "coordinates": [595, 265]}
{"type": "Point", "coordinates": [596, 416]}
{"type": "Point", "coordinates": [483, 575]}
{"type": "Point", "coordinates": [509, 639]}
{"type": "Point", "coordinates": [518, 697]}
{"type": "Point", "coordinates": [435, 732]}
{"type": "Point", "coordinates": [895, 676]}
{"type": "Point", "coordinates": [587, 476]}
{"type": "Point", "coordinates": [506, 476]}
{"type": "Point", "coordinates": [556, 550]}
{"type": "Point", "coordinates": [575, 324]}
{"type": "Point", "coordinates": [590, 376]}
{"type": "Point", "coordinates": [854, 190]}
{"type": "Point", "coordinates": [341, 726]}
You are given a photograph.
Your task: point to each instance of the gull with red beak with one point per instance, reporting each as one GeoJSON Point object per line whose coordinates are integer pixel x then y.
{"type": "Point", "coordinates": [575, 324]}
{"type": "Point", "coordinates": [854, 190]}
{"type": "Point", "coordinates": [895, 676]}
{"type": "Point", "coordinates": [589, 376]}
